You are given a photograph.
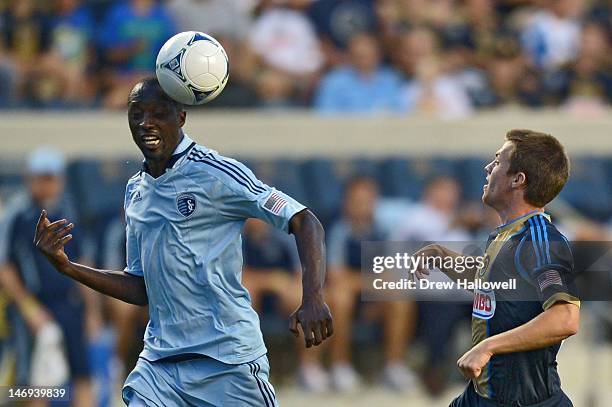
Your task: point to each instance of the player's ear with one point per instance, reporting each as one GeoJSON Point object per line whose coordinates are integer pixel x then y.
{"type": "Point", "coordinates": [182, 116]}
{"type": "Point", "coordinates": [520, 180]}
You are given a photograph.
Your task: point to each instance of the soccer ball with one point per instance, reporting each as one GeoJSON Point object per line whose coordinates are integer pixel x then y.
{"type": "Point", "coordinates": [192, 68]}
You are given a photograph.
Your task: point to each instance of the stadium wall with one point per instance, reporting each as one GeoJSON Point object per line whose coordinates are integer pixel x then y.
{"type": "Point", "coordinates": [299, 135]}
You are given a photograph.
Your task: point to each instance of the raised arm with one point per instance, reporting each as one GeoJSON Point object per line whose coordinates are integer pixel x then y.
{"type": "Point", "coordinates": [313, 315]}
{"type": "Point", "coordinates": [50, 239]}
{"type": "Point", "coordinates": [435, 251]}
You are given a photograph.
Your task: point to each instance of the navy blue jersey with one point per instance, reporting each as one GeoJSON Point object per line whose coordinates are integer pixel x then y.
{"type": "Point", "coordinates": [17, 248]}
{"type": "Point", "coordinates": [273, 251]}
{"type": "Point", "coordinates": [534, 253]}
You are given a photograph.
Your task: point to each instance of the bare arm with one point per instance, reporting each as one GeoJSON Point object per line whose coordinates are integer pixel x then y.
{"type": "Point", "coordinates": [34, 314]}
{"type": "Point", "coordinates": [435, 250]}
{"type": "Point", "coordinates": [50, 239]}
{"type": "Point", "coordinates": [557, 323]}
{"type": "Point", "coordinates": [313, 315]}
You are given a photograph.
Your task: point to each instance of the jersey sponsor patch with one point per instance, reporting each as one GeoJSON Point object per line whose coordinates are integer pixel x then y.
{"type": "Point", "coordinates": [484, 304]}
{"type": "Point", "coordinates": [275, 203]}
{"type": "Point", "coordinates": [549, 278]}
{"type": "Point", "coordinates": [186, 204]}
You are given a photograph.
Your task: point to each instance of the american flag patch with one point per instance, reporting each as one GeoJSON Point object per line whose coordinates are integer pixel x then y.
{"type": "Point", "coordinates": [548, 278]}
{"type": "Point", "coordinates": [275, 203]}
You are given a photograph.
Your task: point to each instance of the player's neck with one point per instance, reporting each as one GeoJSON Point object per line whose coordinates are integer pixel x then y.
{"type": "Point", "coordinates": [516, 211]}
{"type": "Point", "coordinates": [157, 167]}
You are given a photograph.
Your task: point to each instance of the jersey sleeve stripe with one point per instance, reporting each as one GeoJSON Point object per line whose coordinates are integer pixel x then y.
{"type": "Point", "coordinates": [253, 188]}
{"type": "Point", "coordinates": [237, 168]}
{"type": "Point", "coordinates": [199, 156]}
{"type": "Point", "coordinates": [204, 161]}
{"type": "Point", "coordinates": [546, 242]}
{"type": "Point", "coordinates": [540, 239]}
{"type": "Point", "coordinates": [534, 243]}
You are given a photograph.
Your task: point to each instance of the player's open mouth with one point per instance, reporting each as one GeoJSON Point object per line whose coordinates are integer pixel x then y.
{"type": "Point", "coordinates": [151, 141]}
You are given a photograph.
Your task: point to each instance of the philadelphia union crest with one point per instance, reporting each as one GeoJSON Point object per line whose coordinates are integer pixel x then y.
{"type": "Point", "coordinates": [186, 204]}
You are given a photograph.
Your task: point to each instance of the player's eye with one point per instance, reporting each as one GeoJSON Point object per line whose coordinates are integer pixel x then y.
{"type": "Point", "coordinates": [136, 115]}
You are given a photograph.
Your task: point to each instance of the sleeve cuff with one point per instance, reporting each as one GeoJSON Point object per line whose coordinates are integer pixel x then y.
{"type": "Point", "coordinates": [560, 297]}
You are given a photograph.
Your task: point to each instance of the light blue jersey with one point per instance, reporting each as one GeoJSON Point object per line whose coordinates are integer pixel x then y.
{"type": "Point", "coordinates": [183, 236]}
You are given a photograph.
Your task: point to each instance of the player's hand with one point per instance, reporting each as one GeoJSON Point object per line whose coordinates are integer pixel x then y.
{"type": "Point", "coordinates": [470, 365]}
{"type": "Point", "coordinates": [316, 321]}
{"type": "Point", "coordinates": [429, 252]}
{"type": "Point", "coordinates": [50, 239]}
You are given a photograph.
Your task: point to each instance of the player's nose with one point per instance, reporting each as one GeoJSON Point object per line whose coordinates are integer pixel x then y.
{"type": "Point", "coordinates": [147, 121]}
{"type": "Point", "coordinates": [487, 168]}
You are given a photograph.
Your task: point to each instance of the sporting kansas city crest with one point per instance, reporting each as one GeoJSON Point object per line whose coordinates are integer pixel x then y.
{"type": "Point", "coordinates": [186, 204]}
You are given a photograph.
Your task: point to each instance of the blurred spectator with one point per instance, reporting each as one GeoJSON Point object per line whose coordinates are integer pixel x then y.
{"type": "Point", "coordinates": [551, 35]}
{"type": "Point", "coordinates": [71, 33]}
{"type": "Point", "coordinates": [271, 268]}
{"type": "Point", "coordinates": [25, 39]}
{"type": "Point", "coordinates": [344, 279]}
{"type": "Point", "coordinates": [50, 305]}
{"type": "Point", "coordinates": [129, 321]}
{"type": "Point", "coordinates": [362, 85]}
{"type": "Point", "coordinates": [7, 81]}
{"type": "Point", "coordinates": [507, 79]}
{"type": "Point", "coordinates": [132, 34]}
{"type": "Point", "coordinates": [338, 21]}
{"type": "Point", "coordinates": [433, 219]}
{"type": "Point", "coordinates": [220, 18]}
{"type": "Point", "coordinates": [271, 265]}
{"type": "Point", "coordinates": [274, 90]}
{"type": "Point", "coordinates": [477, 30]}
{"type": "Point", "coordinates": [284, 39]}
{"type": "Point", "coordinates": [433, 89]}
{"type": "Point", "coordinates": [585, 85]}
{"type": "Point", "coordinates": [414, 45]}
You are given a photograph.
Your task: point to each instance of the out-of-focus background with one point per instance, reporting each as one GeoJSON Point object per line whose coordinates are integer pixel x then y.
{"type": "Point", "coordinates": [377, 114]}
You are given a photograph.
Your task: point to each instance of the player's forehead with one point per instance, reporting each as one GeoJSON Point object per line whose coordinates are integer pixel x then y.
{"type": "Point", "coordinates": [148, 95]}
{"type": "Point", "coordinates": [505, 151]}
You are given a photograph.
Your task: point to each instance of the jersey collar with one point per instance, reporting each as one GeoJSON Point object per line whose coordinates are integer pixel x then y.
{"type": "Point", "coordinates": [521, 219]}
{"type": "Point", "coordinates": [181, 149]}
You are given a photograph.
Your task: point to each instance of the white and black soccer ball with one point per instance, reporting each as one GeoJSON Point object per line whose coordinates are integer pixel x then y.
{"type": "Point", "coordinates": [192, 68]}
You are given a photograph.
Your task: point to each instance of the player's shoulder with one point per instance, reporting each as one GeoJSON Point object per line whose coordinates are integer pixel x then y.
{"type": "Point", "coordinates": [541, 228]}
{"type": "Point", "coordinates": [134, 181]}
{"type": "Point", "coordinates": [542, 243]}
{"type": "Point", "coordinates": [207, 165]}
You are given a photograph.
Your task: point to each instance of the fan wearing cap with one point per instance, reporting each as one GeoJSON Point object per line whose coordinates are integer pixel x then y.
{"type": "Point", "coordinates": [49, 327]}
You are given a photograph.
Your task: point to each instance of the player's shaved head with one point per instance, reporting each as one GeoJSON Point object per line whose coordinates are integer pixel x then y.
{"type": "Point", "coordinates": [150, 89]}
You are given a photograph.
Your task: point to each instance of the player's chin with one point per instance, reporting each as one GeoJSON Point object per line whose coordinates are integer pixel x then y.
{"type": "Point", "coordinates": [152, 152]}
{"type": "Point", "coordinates": [486, 195]}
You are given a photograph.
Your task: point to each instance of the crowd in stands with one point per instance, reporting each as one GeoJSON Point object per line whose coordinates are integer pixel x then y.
{"type": "Point", "coordinates": [441, 58]}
